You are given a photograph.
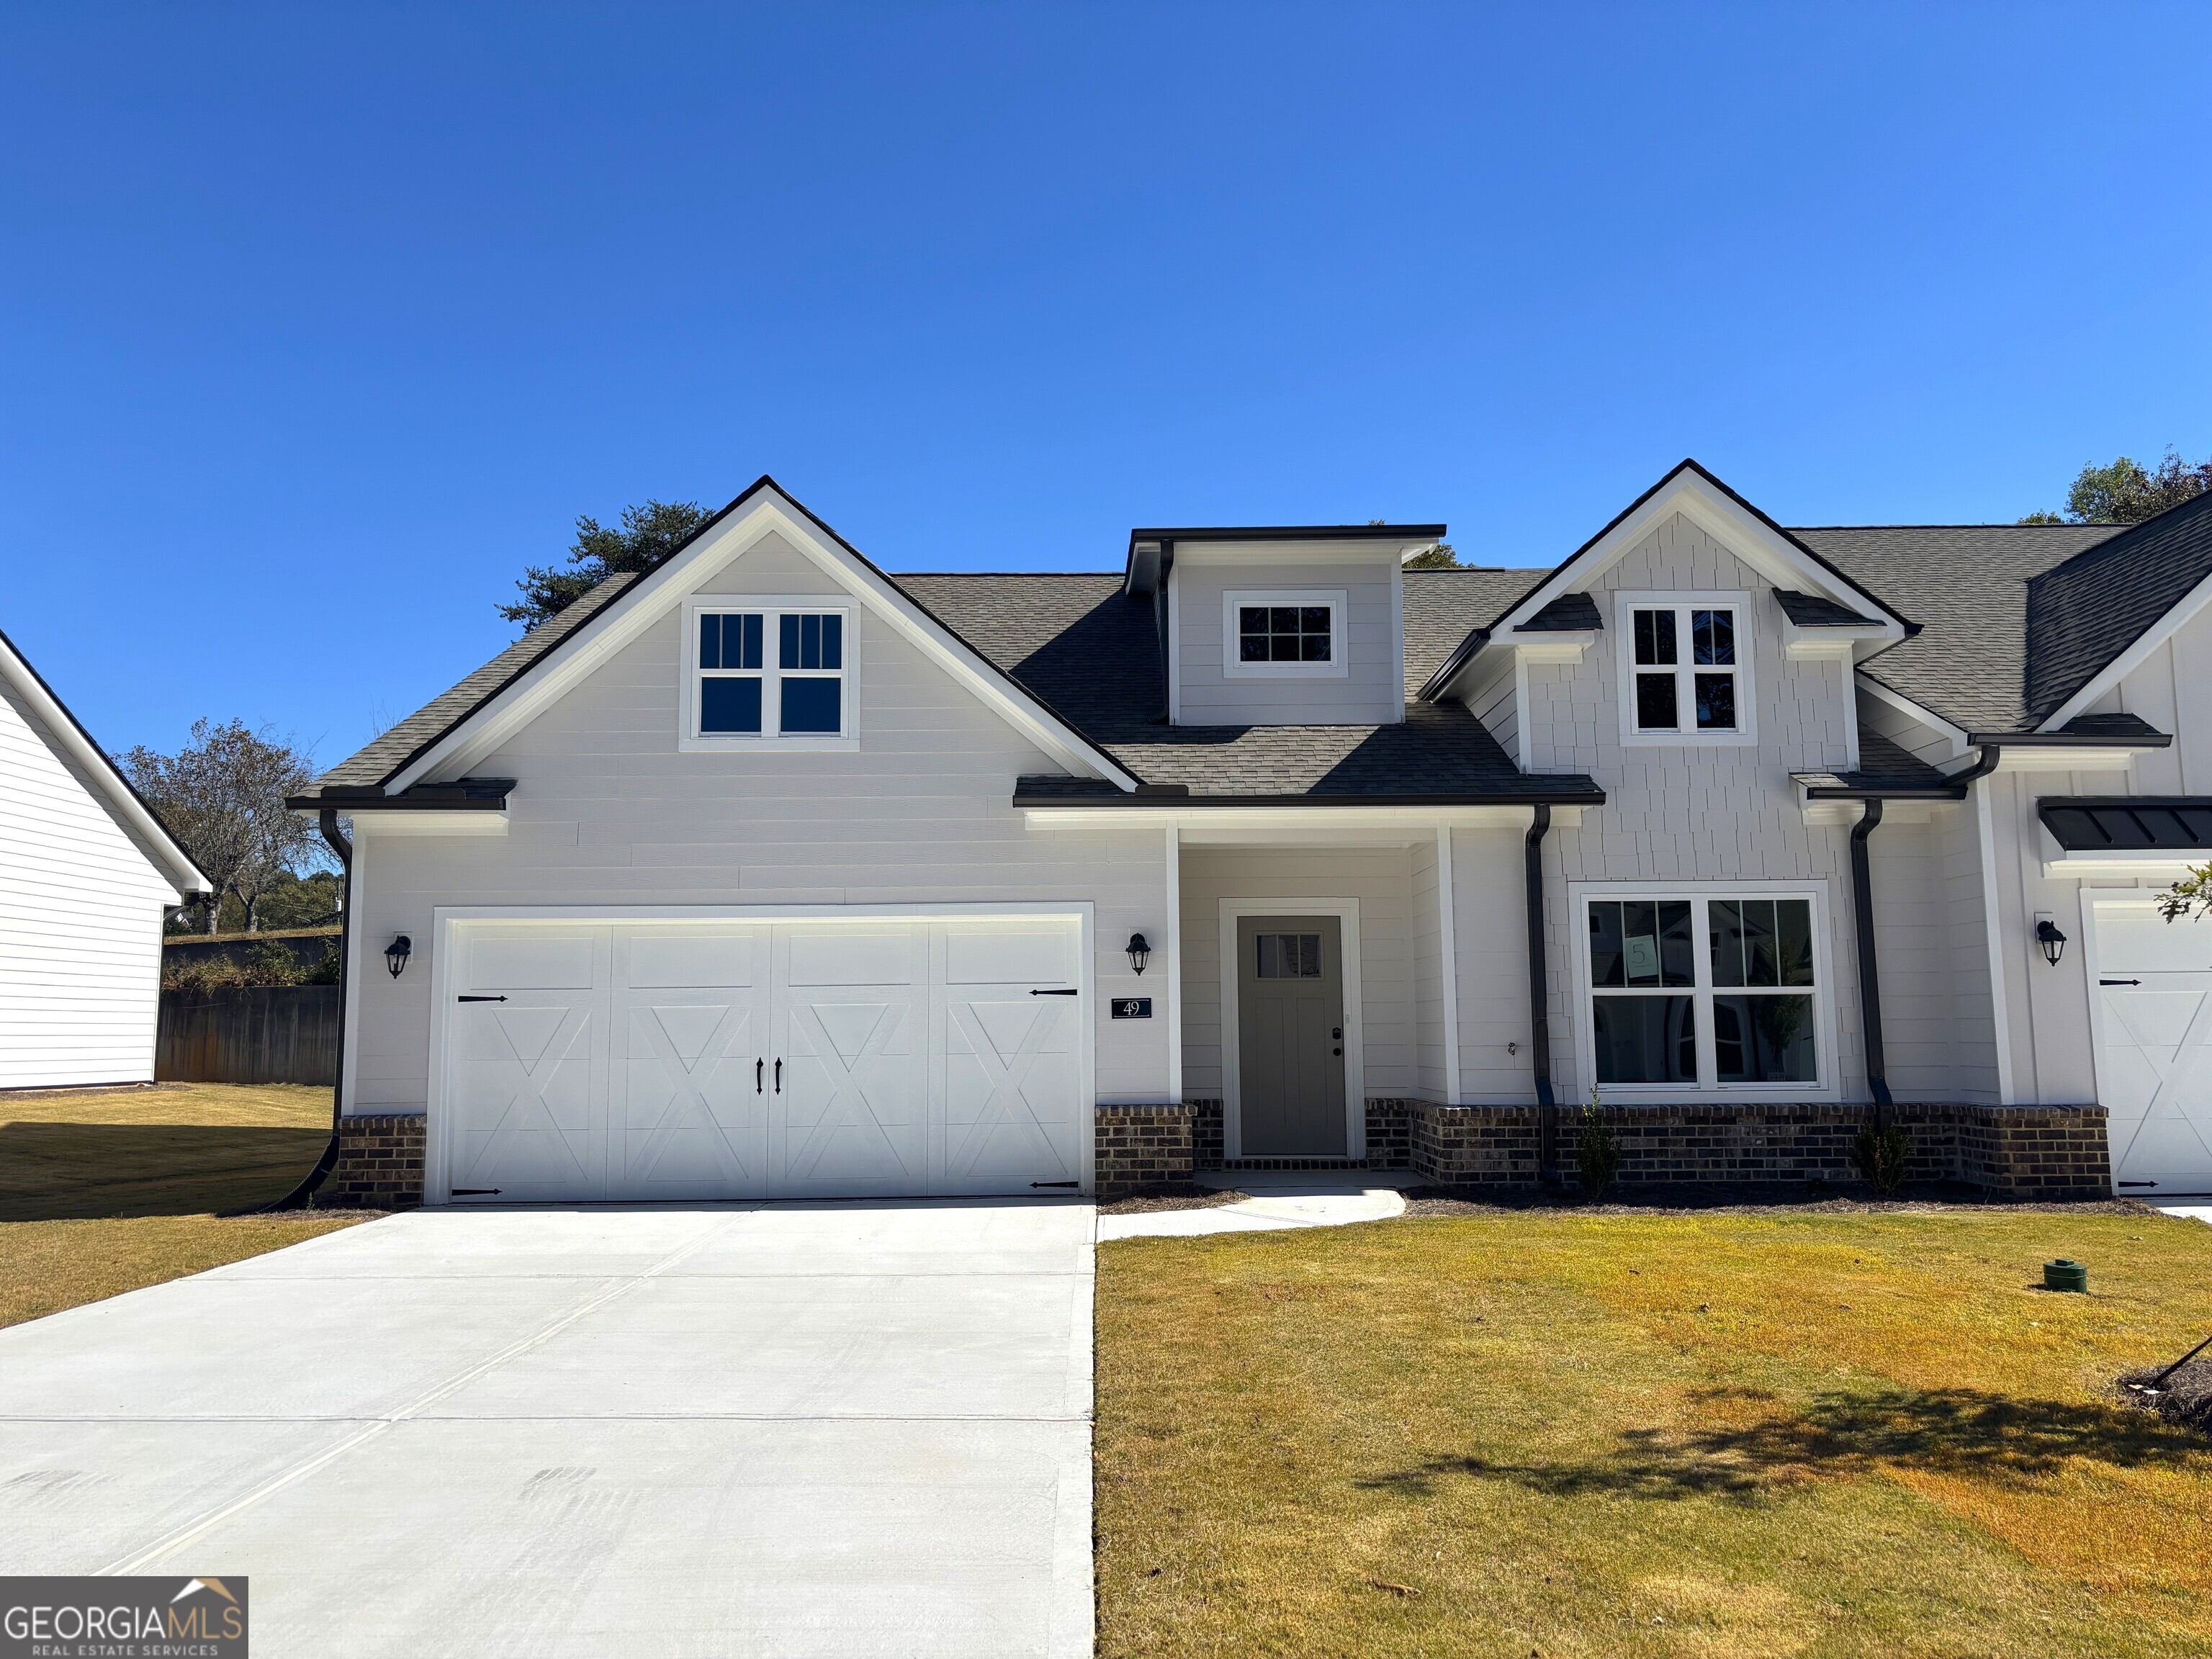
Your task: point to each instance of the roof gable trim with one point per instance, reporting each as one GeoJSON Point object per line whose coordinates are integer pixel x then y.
{"type": "Point", "coordinates": [1698, 495]}
{"type": "Point", "coordinates": [121, 802]}
{"type": "Point", "coordinates": [733, 533]}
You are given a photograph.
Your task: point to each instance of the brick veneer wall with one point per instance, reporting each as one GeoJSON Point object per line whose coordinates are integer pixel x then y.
{"type": "Point", "coordinates": [1475, 1146]}
{"type": "Point", "coordinates": [2015, 1151]}
{"type": "Point", "coordinates": [1142, 1146]}
{"type": "Point", "coordinates": [1389, 1134]}
{"type": "Point", "coordinates": [379, 1164]}
{"type": "Point", "coordinates": [2035, 1152]}
{"type": "Point", "coordinates": [1207, 1133]}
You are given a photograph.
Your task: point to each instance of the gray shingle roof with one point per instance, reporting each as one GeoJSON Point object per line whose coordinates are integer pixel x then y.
{"type": "Point", "coordinates": [2012, 619]}
{"type": "Point", "coordinates": [1884, 769]}
{"type": "Point", "coordinates": [1966, 586]}
{"type": "Point", "coordinates": [1442, 607]}
{"type": "Point", "coordinates": [1811, 611]}
{"type": "Point", "coordinates": [2085, 613]}
{"type": "Point", "coordinates": [1093, 654]}
{"type": "Point", "coordinates": [1569, 613]}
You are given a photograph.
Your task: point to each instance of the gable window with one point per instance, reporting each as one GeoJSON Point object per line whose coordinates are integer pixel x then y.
{"type": "Point", "coordinates": [1710, 990]}
{"type": "Point", "coordinates": [766, 674]}
{"type": "Point", "coordinates": [1283, 634]}
{"type": "Point", "coordinates": [1684, 677]}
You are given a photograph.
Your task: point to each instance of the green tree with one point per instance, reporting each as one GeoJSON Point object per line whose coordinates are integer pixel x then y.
{"type": "Point", "coordinates": [2126, 492]}
{"type": "Point", "coordinates": [648, 536]}
{"type": "Point", "coordinates": [294, 901]}
{"type": "Point", "coordinates": [222, 796]}
{"type": "Point", "coordinates": [1439, 557]}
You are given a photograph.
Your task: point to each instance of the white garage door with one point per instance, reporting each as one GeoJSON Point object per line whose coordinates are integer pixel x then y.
{"type": "Point", "coordinates": [2154, 1059]}
{"type": "Point", "coordinates": [735, 1060]}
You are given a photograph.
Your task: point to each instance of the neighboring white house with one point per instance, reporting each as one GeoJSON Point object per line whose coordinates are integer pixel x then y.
{"type": "Point", "coordinates": [86, 873]}
{"type": "Point", "coordinates": [768, 873]}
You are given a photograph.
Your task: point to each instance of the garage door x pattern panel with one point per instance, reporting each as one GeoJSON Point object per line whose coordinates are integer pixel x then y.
{"type": "Point", "coordinates": [757, 1060]}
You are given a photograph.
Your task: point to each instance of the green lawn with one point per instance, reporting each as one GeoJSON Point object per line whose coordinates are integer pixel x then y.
{"type": "Point", "coordinates": [1730, 1434]}
{"type": "Point", "coordinates": [104, 1192]}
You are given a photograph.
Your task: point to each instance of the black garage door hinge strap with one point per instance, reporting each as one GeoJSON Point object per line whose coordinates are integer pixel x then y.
{"type": "Point", "coordinates": [479, 999]}
{"type": "Point", "coordinates": [474, 1191]}
{"type": "Point", "coordinates": [1056, 994]}
{"type": "Point", "coordinates": [1055, 1184]}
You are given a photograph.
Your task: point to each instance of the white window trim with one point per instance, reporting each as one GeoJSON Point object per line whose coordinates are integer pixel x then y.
{"type": "Point", "coordinates": [1829, 1083]}
{"type": "Point", "coordinates": [1625, 607]}
{"type": "Point", "coordinates": [1336, 668]}
{"type": "Point", "coordinates": [1346, 911]}
{"type": "Point", "coordinates": [690, 740]}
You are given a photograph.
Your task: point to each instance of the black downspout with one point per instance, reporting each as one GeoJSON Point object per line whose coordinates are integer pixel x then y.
{"type": "Point", "coordinates": [1862, 907]}
{"type": "Point", "coordinates": [1540, 1000]}
{"type": "Point", "coordinates": [298, 1197]}
{"type": "Point", "coordinates": [1869, 976]}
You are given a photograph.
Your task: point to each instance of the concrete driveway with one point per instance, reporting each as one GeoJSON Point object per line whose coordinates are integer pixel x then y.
{"type": "Point", "coordinates": [776, 1429]}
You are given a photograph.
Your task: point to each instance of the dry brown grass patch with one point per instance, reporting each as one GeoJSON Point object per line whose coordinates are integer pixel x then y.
{"type": "Point", "coordinates": [1748, 1434]}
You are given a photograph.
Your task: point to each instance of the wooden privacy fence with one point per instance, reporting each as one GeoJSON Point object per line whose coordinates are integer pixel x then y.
{"type": "Point", "coordinates": [249, 1034]}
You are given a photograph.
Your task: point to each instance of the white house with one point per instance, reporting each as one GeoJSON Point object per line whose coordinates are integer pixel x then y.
{"type": "Point", "coordinates": [86, 873]}
{"type": "Point", "coordinates": [768, 873]}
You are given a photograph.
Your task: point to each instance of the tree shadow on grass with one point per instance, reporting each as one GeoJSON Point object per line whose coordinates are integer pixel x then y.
{"type": "Point", "coordinates": [1959, 1431]}
{"type": "Point", "coordinates": [67, 1171]}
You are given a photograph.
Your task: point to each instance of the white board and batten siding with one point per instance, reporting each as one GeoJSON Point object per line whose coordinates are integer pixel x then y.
{"type": "Point", "coordinates": [81, 904]}
{"type": "Point", "coordinates": [1695, 813]}
{"type": "Point", "coordinates": [609, 814]}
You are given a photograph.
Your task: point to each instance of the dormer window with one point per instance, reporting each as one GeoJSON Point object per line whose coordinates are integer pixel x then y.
{"type": "Point", "coordinates": [766, 674]}
{"type": "Point", "coordinates": [1686, 670]}
{"type": "Point", "coordinates": [1292, 634]}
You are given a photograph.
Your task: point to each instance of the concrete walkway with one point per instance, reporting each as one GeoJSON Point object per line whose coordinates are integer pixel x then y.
{"type": "Point", "coordinates": [1289, 1200]}
{"type": "Point", "coordinates": [851, 1428]}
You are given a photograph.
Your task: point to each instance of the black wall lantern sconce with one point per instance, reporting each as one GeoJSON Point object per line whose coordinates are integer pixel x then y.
{"type": "Point", "coordinates": [2053, 941]}
{"type": "Point", "coordinates": [1139, 952]}
{"type": "Point", "coordinates": [397, 952]}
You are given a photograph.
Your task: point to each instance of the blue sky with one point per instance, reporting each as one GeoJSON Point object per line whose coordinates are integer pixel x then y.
{"type": "Point", "coordinates": [318, 323]}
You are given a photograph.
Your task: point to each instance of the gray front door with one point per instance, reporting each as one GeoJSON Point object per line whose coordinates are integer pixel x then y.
{"type": "Point", "coordinates": [1290, 1049]}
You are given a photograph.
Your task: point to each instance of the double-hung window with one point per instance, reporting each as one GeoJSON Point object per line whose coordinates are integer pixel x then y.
{"type": "Point", "coordinates": [1709, 990]}
{"type": "Point", "coordinates": [768, 674]}
{"type": "Point", "coordinates": [1685, 669]}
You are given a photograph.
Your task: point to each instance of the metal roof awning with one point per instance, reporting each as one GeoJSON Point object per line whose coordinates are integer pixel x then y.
{"type": "Point", "coordinates": [2128, 824]}
{"type": "Point", "coordinates": [2161, 837]}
